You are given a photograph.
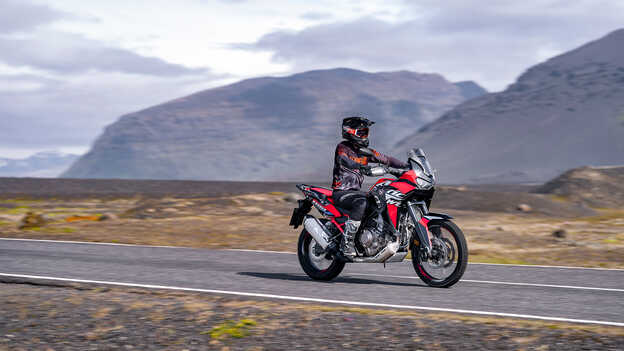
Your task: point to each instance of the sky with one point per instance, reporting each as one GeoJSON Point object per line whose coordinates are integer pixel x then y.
{"type": "Point", "coordinates": [69, 68]}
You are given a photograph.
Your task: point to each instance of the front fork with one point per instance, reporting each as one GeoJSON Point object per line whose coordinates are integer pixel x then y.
{"type": "Point", "coordinates": [416, 211]}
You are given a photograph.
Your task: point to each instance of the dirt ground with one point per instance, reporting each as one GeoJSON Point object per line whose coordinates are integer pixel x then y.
{"type": "Point", "coordinates": [260, 221]}
{"type": "Point", "coordinates": [83, 317]}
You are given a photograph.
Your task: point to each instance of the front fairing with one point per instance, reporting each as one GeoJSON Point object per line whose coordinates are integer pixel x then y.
{"type": "Point", "coordinates": [425, 175]}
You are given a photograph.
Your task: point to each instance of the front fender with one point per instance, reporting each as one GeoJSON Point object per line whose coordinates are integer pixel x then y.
{"type": "Point", "coordinates": [432, 215]}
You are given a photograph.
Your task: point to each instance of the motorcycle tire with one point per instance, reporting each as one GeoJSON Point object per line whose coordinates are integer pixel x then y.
{"type": "Point", "coordinates": [305, 260]}
{"type": "Point", "coordinates": [462, 257]}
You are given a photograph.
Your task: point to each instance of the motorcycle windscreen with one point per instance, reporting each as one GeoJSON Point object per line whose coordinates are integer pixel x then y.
{"type": "Point", "coordinates": [418, 160]}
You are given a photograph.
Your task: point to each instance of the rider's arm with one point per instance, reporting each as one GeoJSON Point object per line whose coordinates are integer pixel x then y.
{"type": "Point", "coordinates": [387, 160]}
{"type": "Point", "coordinates": [342, 156]}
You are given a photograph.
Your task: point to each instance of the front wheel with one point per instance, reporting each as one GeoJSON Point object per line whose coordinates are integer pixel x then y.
{"type": "Point", "coordinates": [314, 262]}
{"type": "Point", "coordinates": [449, 255]}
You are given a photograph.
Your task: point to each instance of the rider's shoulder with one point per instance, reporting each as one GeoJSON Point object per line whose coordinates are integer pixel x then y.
{"type": "Point", "coordinates": [344, 145]}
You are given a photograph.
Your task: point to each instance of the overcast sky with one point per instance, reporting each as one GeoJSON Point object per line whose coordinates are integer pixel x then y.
{"type": "Point", "coordinates": [68, 68]}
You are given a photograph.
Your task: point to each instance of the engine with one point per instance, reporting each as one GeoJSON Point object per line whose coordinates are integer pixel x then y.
{"type": "Point", "coordinates": [372, 238]}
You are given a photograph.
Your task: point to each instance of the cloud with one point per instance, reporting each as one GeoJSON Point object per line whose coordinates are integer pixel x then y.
{"type": "Point", "coordinates": [20, 83]}
{"type": "Point", "coordinates": [58, 89]}
{"type": "Point", "coordinates": [315, 16]}
{"type": "Point", "coordinates": [72, 53]}
{"type": "Point", "coordinates": [50, 114]}
{"type": "Point", "coordinates": [17, 16]}
{"type": "Point", "coordinates": [462, 40]}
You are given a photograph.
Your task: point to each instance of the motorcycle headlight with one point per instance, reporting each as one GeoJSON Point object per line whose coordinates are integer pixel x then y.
{"type": "Point", "coordinates": [423, 183]}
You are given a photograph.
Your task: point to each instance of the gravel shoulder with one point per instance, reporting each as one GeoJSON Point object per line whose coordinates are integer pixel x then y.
{"type": "Point", "coordinates": [82, 316]}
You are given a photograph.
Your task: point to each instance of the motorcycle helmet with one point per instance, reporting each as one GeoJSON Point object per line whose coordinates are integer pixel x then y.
{"type": "Point", "coordinates": [355, 129]}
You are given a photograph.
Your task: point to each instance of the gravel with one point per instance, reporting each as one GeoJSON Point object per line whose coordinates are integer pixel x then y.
{"type": "Point", "coordinates": [87, 317]}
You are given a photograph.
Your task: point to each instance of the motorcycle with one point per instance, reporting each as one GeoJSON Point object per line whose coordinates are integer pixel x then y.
{"type": "Point", "coordinates": [397, 221]}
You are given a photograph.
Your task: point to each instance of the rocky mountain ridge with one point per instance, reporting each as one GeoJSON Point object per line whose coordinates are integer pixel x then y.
{"type": "Point", "coordinates": [266, 128]}
{"type": "Point", "coordinates": [564, 113]}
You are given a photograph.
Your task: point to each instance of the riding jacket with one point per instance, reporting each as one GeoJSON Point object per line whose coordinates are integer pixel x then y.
{"type": "Point", "coordinates": [348, 161]}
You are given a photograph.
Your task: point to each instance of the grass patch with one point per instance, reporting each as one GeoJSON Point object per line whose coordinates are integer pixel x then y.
{"type": "Point", "coordinates": [231, 329]}
{"type": "Point", "coordinates": [17, 210]}
{"type": "Point", "coordinates": [499, 260]}
{"type": "Point", "coordinates": [52, 230]}
{"type": "Point", "coordinates": [559, 198]}
{"type": "Point", "coordinates": [4, 223]}
{"type": "Point", "coordinates": [607, 215]}
{"type": "Point", "coordinates": [610, 241]}
{"type": "Point", "coordinates": [21, 201]}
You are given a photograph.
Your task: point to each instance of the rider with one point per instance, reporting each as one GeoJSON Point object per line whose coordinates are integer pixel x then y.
{"type": "Point", "coordinates": [350, 165]}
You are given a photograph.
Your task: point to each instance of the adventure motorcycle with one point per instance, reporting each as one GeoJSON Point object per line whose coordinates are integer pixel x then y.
{"type": "Point", "coordinates": [397, 219]}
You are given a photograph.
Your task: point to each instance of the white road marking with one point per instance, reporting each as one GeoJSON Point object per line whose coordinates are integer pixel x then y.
{"type": "Point", "coordinates": [92, 243]}
{"type": "Point", "coordinates": [262, 251]}
{"type": "Point", "coordinates": [310, 299]}
{"type": "Point", "coordinates": [543, 266]}
{"type": "Point", "coordinates": [294, 253]}
{"type": "Point", "coordinates": [500, 283]}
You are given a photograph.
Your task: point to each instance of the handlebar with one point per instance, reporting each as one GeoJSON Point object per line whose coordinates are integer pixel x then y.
{"type": "Point", "coordinates": [397, 172]}
{"type": "Point", "coordinates": [382, 170]}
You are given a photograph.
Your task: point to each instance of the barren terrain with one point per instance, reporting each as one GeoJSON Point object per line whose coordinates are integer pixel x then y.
{"type": "Point", "coordinates": [550, 230]}
{"type": "Point", "coordinates": [502, 225]}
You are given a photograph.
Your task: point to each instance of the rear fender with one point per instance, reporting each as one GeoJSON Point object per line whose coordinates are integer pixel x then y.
{"type": "Point", "coordinates": [300, 212]}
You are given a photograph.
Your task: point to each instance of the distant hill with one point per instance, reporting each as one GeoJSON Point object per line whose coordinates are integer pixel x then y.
{"type": "Point", "coordinates": [595, 186]}
{"type": "Point", "coordinates": [564, 113]}
{"type": "Point", "coordinates": [43, 164]}
{"type": "Point", "coordinates": [265, 128]}
{"type": "Point", "coordinates": [470, 89]}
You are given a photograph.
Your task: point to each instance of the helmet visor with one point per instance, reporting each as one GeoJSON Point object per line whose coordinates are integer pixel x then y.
{"type": "Point", "coordinates": [361, 132]}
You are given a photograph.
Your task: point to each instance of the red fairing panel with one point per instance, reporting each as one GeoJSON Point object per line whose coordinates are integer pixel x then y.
{"type": "Point", "coordinates": [402, 187]}
{"type": "Point", "coordinates": [323, 191]}
{"type": "Point", "coordinates": [392, 212]}
{"type": "Point", "coordinates": [380, 181]}
{"type": "Point", "coordinates": [331, 208]}
{"type": "Point", "coordinates": [409, 175]}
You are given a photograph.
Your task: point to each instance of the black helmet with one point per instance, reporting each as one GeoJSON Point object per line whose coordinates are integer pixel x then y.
{"type": "Point", "coordinates": [355, 129]}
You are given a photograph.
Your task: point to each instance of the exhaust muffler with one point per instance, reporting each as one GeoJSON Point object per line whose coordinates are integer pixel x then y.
{"type": "Point", "coordinates": [383, 255]}
{"type": "Point", "coordinates": [317, 230]}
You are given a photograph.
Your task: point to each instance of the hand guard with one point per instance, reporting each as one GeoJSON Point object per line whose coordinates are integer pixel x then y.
{"type": "Point", "coordinates": [376, 171]}
{"type": "Point", "coordinates": [397, 172]}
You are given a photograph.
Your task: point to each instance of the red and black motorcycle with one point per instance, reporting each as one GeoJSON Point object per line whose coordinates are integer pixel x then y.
{"type": "Point", "coordinates": [397, 220]}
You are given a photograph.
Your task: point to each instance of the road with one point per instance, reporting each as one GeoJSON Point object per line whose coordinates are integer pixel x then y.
{"type": "Point", "coordinates": [548, 293]}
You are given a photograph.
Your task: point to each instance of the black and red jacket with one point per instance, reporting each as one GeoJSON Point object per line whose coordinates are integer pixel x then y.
{"type": "Point", "coordinates": [347, 163]}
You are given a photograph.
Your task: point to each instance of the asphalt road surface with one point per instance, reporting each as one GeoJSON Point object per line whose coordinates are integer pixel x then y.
{"type": "Point", "coordinates": [550, 293]}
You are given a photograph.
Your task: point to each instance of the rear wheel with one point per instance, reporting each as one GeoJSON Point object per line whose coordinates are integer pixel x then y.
{"type": "Point", "coordinates": [449, 255]}
{"type": "Point", "coordinates": [314, 260]}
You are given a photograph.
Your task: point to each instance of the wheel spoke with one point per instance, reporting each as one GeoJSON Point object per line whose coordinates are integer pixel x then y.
{"type": "Point", "coordinates": [443, 258]}
{"type": "Point", "coordinates": [318, 260]}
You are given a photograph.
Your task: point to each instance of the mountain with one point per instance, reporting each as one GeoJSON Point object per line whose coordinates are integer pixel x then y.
{"type": "Point", "coordinates": [564, 113]}
{"type": "Point", "coordinates": [470, 89]}
{"type": "Point", "coordinates": [47, 164]}
{"type": "Point", "coordinates": [265, 128]}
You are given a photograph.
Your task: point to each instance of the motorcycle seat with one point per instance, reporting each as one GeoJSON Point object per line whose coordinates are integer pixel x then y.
{"type": "Point", "coordinates": [319, 191]}
{"type": "Point", "coordinates": [322, 190]}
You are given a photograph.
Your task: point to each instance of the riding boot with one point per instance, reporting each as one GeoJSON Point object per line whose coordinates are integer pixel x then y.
{"type": "Point", "coordinates": [348, 238]}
